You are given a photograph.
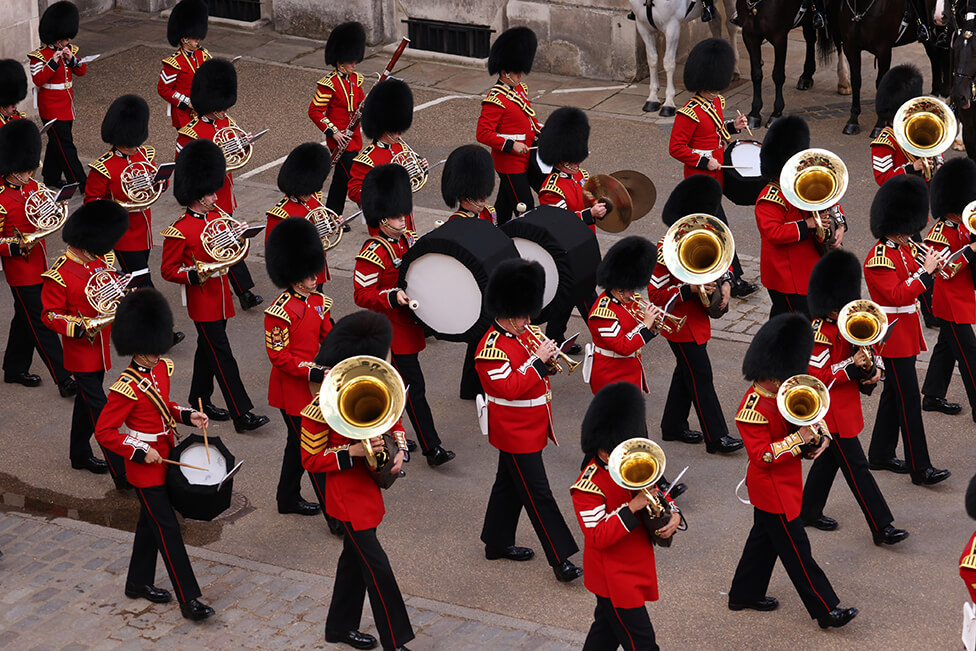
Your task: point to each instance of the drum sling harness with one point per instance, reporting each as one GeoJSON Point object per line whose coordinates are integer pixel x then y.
{"type": "Point", "coordinates": [149, 389]}
{"type": "Point", "coordinates": [710, 111]}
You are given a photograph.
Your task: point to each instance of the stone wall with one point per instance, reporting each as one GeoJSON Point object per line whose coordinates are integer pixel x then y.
{"type": "Point", "coordinates": [85, 7]}
{"type": "Point", "coordinates": [18, 36]}
{"type": "Point", "coordinates": [316, 18]}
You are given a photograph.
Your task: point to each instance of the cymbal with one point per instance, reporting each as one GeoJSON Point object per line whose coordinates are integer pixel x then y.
{"type": "Point", "coordinates": [641, 189]}
{"type": "Point", "coordinates": [603, 186]}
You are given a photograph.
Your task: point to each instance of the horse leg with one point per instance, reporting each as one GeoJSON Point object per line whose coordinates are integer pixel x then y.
{"type": "Point", "coordinates": [884, 64]}
{"type": "Point", "coordinates": [805, 82]}
{"type": "Point", "coordinates": [854, 61]}
{"type": "Point", "coordinates": [779, 77]}
{"type": "Point", "coordinates": [843, 75]}
{"type": "Point", "coordinates": [939, 59]}
{"type": "Point", "coordinates": [672, 33]}
{"type": "Point", "coordinates": [967, 118]}
{"type": "Point", "coordinates": [753, 43]}
{"type": "Point", "coordinates": [735, 35]}
{"type": "Point", "coordinates": [650, 47]}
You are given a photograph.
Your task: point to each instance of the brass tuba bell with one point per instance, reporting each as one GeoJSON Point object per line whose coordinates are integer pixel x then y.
{"type": "Point", "coordinates": [924, 127]}
{"type": "Point", "coordinates": [969, 217]}
{"type": "Point", "coordinates": [804, 400]}
{"type": "Point", "coordinates": [637, 464]}
{"type": "Point", "coordinates": [863, 323]}
{"type": "Point", "coordinates": [698, 249]}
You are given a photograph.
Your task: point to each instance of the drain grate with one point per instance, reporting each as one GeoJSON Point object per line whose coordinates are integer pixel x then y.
{"type": "Point", "coordinates": [449, 38]}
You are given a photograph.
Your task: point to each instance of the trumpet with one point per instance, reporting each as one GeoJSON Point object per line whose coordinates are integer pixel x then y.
{"type": "Point", "coordinates": [638, 308]}
{"type": "Point", "coordinates": [46, 215]}
{"type": "Point", "coordinates": [698, 249]}
{"type": "Point", "coordinates": [815, 180]}
{"type": "Point", "coordinates": [924, 127]}
{"type": "Point", "coordinates": [534, 337]}
{"type": "Point", "coordinates": [863, 323]}
{"type": "Point", "coordinates": [804, 400]}
{"type": "Point", "coordinates": [136, 180]}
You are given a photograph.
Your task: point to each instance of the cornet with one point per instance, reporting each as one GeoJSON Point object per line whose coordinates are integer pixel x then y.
{"type": "Point", "coordinates": [924, 127]}
{"type": "Point", "coordinates": [638, 308]}
{"type": "Point", "coordinates": [863, 323]}
{"type": "Point", "coordinates": [698, 249]}
{"type": "Point", "coordinates": [533, 337]}
{"type": "Point", "coordinates": [804, 400]}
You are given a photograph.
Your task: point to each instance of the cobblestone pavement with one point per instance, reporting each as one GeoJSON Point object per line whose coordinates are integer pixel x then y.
{"type": "Point", "coordinates": [62, 589]}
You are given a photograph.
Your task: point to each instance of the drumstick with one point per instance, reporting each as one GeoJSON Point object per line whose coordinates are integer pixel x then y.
{"type": "Point", "coordinates": [747, 122]}
{"type": "Point", "coordinates": [735, 167]}
{"type": "Point", "coordinates": [185, 465]}
{"type": "Point", "coordinates": [206, 443]}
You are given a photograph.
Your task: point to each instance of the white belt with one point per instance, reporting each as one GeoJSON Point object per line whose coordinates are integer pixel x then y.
{"type": "Point", "coordinates": [704, 152]}
{"type": "Point", "coordinates": [534, 402]}
{"type": "Point", "coordinates": [899, 309]}
{"type": "Point", "coordinates": [610, 353]}
{"type": "Point", "coordinates": [64, 86]}
{"type": "Point", "coordinates": [512, 136]}
{"type": "Point", "coordinates": [148, 438]}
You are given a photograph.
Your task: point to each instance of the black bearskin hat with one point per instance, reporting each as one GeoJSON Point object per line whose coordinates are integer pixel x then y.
{"type": "Point", "coordinates": [515, 289]}
{"type": "Point", "coordinates": [709, 66]}
{"type": "Point", "coordinates": [565, 138]}
{"type": "Point", "coordinates": [126, 122]}
{"type": "Point", "coordinates": [953, 187]}
{"type": "Point", "coordinates": [305, 169]}
{"type": "Point", "coordinates": [346, 44]}
{"type": "Point", "coordinates": [898, 85]}
{"type": "Point", "coordinates": [699, 193]}
{"type": "Point", "coordinates": [971, 498]}
{"type": "Point", "coordinates": [834, 282]}
{"type": "Point", "coordinates": [628, 264]}
{"type": "Point", "coordinates": [13, 82]}
{"type": "Point", "coordinates": [513, 51]}
{"type": "Point", "coordinates": [200, 170]}
{"type": "Point", "coordinates": [293, 252]}
{"type": "Point", "coordinates": [616, 413]}
{"type": "Point", "coordinates": [900, 207]}
{"type": "Point", "coordinates": [214, 86]}
{"type": "Point", "coordinates": [360, 333]}
{"type": "Point", "coordinates": [143, 324]}
{"type": "Point", "coordinates": [468, 174]}
{"type": "Point", "coordinates": [780, 350]}
{"type": "Point", "coordinates": [20, 147]}
{"type": "Point", "coordinates": [96, 227]}
{"type": "Point", "coordinates": [386, 193]}
{"type": "Point", "coordinates": [59, 21]}
{"type": "Point", "coordinates": [387, 109]}
{"type": "Point", "coordinates": [187, 20]}
{"type": "Point", "coordinates": [786, 136]}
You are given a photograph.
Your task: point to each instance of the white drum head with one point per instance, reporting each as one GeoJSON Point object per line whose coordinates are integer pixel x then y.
{"type": "Point", "coordinates": [532, 251]}
{"type": "Point", "coordinates": [447, 293]}
{"type": "Point", "coordinates": [196, 455]}
{"type": "Point", "coordinates": [745, 155]}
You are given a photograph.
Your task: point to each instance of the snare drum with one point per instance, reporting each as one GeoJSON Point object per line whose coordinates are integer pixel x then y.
{"type": "Point", "coordinates": [200, 494]}
{"type": "Point", "coordinates": [743, 185]}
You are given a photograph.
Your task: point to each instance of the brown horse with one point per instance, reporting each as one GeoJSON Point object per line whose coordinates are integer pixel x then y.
{"type": "Point", "coordinates": [962, 97]}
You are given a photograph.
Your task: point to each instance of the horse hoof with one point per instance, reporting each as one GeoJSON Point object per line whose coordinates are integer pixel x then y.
{"type": "Point", "coordinates": [667, 112]}
{"type": "Point", "coordinates": [754, 121]}
{"type": "Point", "coordinates": [957, 145]}
{"type": "Point", "coordinates": [804, 83]}
{"type": "Point", "coordinates": [875, 132]}
{"type": "Point", "coordinates": [851, 129]}
{"type": "Point", "coordinates": [843, 90]}
{"type": "Point", "coordinates": [772, 118]}
{"type": "Point", "coordinates": [649, 107]}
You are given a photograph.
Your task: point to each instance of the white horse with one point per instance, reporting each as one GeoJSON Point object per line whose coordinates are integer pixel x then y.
{"type": "Point", "coordinates": [668, 16]}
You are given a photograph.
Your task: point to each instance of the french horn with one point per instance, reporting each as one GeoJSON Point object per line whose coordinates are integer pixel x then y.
{"type": "Point", "coordinates": [222, 240]}
{"type": "Point", "coordinates": [137, 185]}
{"type": "Point", "coordinates": [328, 224]}
{"type": "Point", "coordinates": [103, 291]}
{"type": "Point", "coordinates": [234, 143]}
{"type": "Point", "coordinates": [46, 215]}
{"type": "Point", "coordinates": [411, 161]}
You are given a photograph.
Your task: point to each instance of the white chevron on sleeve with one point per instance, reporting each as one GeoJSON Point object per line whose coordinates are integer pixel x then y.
{"type": "Point", "coordinates": [818, 361]}
{"type": "Point", "coordinates": [501, 372]}
{"type": "Point", "coordinates": [610, 331]}
{"type": "Point", "coordinates": [365, 280]}
{"type": "Point", "coordinates": [167, 79]}
{"type": "Point", "coordinates": [882, 163]}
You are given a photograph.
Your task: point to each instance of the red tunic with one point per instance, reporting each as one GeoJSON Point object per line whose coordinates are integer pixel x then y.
{"type": "Point", "coordinates": [618, 557]}
{"type": "Point", "coordinates": [105, 182]}
{"type": "Point", "coordinates": [832, 361]}
{"type": "Point", "coordinates": [204, 127]}
{"type": "Point", "coordinates": [211, 301]}
{"type": "Point", "coordinates": [128, 405]}
{"type": "Point", "coordinates": [566, 191]}
{"type": "Point", "coordinates": [663, 286]}
{"type": "Point", "coordinates": [967, 567]}
{"type": "Point", "coordinates": [487, 213]}
{"type": "Point", "coordinates": [517, 388]}
{"type": "Point", "coordinates": [16, 115]}
{"type": "Point", "coordinates": [294, 207]}
{"type": "Point", "coordinates": [695, 136]}
{"type": "Point", "coordinates": [954, 295]}
{"type": "Point", "coordinates": [375, 279]}
{"type": "Point", "coordinates": [175, 81]}
{"type": "Point", "coordinates": [55, 96]}
{"type": "Point", "coordinates": [25, 269]}
{"type": "Point", "coordinates": [888, 158]}
{"type": "Point", "coordinates": [787, 248]}
{"type": "Point", "coordinates": [64, 298]}
{"type": "Point", "coordinates": [895, 280]}
{"type": "Point", "coordinates": [507, 117]}
{"type": "Point", "coordinates": [618, 338]}
{"type": "Point", "coordinates": [294, 328]}
{"type": "Point", "coordinates": [337, 96]}
{"type": "Point", "coordinates": [376, 154]}
{"type": "Point", "coordinates": [775, 476]}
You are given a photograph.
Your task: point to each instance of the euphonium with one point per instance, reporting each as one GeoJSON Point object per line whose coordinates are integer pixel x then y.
{"type": "Point", "coordinates": [924, 127]}
{"type": "Point", "coordinates": [637, 464]}
{"type": "Point", "coordinates": [44, 213]}
{"type": "Point", "coordinates": [411, 161]}
{"type": "Point", "coordinates": [698, 249]}
{"type": "Point", "coordinates": [137, 185]}
{"type": "Point", "coordinates": [863, 323]}
{"type": "Point", "coordinates": [804, 400]}
{"type": "Point", "coordinates": [815, 180]}
{"type": "Point", "coordinates": [328, 225]}
{"type": "Point", "coordinates": [233, 142]}
{"type": "Point", "coordinates": [533, 336]}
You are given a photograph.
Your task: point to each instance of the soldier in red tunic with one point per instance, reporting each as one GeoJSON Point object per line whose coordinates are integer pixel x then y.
{"type": "Point", "coordinates": [67, 296]}
{"type": "Point", "coordinates": [337, 98]}
{"type": "Point", "coordinates": [967, 562]}
{"type": "Point", "coordinates": [845, 369]}
{"type": "Point", "coordinates": [300, 179]}
{"type": "Point", "coordinates": [354, 499]}
{"type": "Point", "coordinates": [779, 350]}
{"type": "Point", "coordinates": [52, 67]}
{"type": "Point", "coordinates": [895, 279]}
{"type": "Point", "coordinates": [512, 362]}
{"type": "Point", "coordinates": [507, 123]}
{"type": "Point", "coordinates": [386, 203]}
{"type": "Point", "coordinates": [20, 153]}
{"type": "Point", "coordinates": [186, 29]}
{"type": "Point", "coordinates": [199, 174]}
{"type": "Point", "coordinates": [613, 535]}
{"type": "Point", "coordinates": [139, 402]}
{"type": "Point", "coordinates": [468, 182]}
{"type": "Point", "coordinates": [295, 325]}
{"type": "Point", "coordinates": [954, 299]}
{"type": "Point", "coordinates": [13, 90]}
{"type": "Point", "coordinates": [692, 382]}
{"type": "Point", "coordinates": [564, 144]}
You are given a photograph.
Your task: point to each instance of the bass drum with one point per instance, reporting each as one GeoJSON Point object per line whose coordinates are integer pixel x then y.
{"type": "Point", "coordinates": [199, 494]}
{"type": "Point", "coordinates": [567, 250]}
{"type": "Point", "coordinates": [742, 185]}
{"type": "Point", "coordinates": [446, 272]}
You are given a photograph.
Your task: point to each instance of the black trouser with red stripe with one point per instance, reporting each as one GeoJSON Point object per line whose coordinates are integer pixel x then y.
{"type": "Point", "coordinates": [612, 628]}
{"type": "Point", "coordinates": [61, 157]}
{"type": "Point", "coordinates": [290, 479]}
{"type": "Point", "coordinates": [215, 359]}
{"type": "Point", "coordinates": [691, 384]}
{"type": "Point", "coordinates": [900, 408]}
{"type": "Point", "coordinates": [133, 261]}
{"type": "Point", "coordinates": [958, 339]}
{"type": "Point", "coordinates": [27, 332]}
{"type": "Point", "coordinates": [783, 303]}
{"type": "Point", "coordinates": [364, 568]}
{"type": "Point", "coordinates": [512, 189]}
{"type": "Point", "coordinates": [418, 411]}
{"type": "Point", "coordinates": [521, 482]}
{"type": "Point", "coordinates": [240, 278]}
{"type": "Point", "coordinates": [336, 201]}
{"type": "Point", "coordinates": [89, 402]}
{"type": "Point", "coordinates": [773, 536]}
{"type": "Point", "coordinates": [159, 531]}
{"type": "Point", "coordinates": [846, 454]}
{"type": "Point", "coordinates": [556, 326]}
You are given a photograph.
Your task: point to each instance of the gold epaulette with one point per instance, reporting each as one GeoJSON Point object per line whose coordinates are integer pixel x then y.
{"type": "Point", "coordinates": [171, 61]}
{"type": "Point", "coordinates": [602, 310]}
{"type": "Point", "coordinates": [363, 156]}
{"type": "Point", "coordinates": [585, 174]}
{"type": "Point", "coordinates": [552, 185]}
{"type": "Point", "coordinates": [660, 252]}
{"type": "Point", "coordinates": [490, 352]}
{"type": "Point", "coordinates": [206, 53]}
{"type": "Point", "coordinates": [819, 337]}
{"type": "Point", "coordinates": [149, 152]}
{"type": "Point", "coordinates": [369, 254]}
{"type": "Point", "coordinates": [360, 78]}
{"type": "Point", "coordinates": [125, 388]}
{"type": "Point", "coordinates": [689, 111]}
{"type": "Point", "coordinates": [879, 259]}
{"type": "Point", "coordinates": [170, 366]}
{"type": "Point", "coordinates": [37, 54]}
{"type": "Point", "coordinates": [99, 164]}
{"type": "Point", "coordinates": [278, 210]}
{"type": "Point", "coordinates": [327, 81]}
{"type": "Point", "coordinates": [493, 97]}
{"type": "Point", "coordinates": [277, 309]}
{"type": "Point", "coordinates": [773, 194]}
{"type": "Point", "coordinates": [110, 259]}
{"type": "Point", "coordinates": [721, 99]}
{"type": "Point", "coordinates": [189, 130]}
{"type": "Point", "coordinates": [585, 484]}
{"type": "Point", "coordinates": [53, 272]}
{"type": "Point", "coordinates": [74, 49]}
{"type": "Point", "coordinates": [968, 563]}
{"type": "Point", "coordinates": [749, 413]}
{"type": "Point", "coordinates": [312, 411]}
{"type": "Point", "coordinates": [326, 301]}
{"type": "Point", "coordinates": [936, 236]}
{"type": "Point", "coordinates": [886, 137]}
{"type": "Point", "coordinates": [172, 231]}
